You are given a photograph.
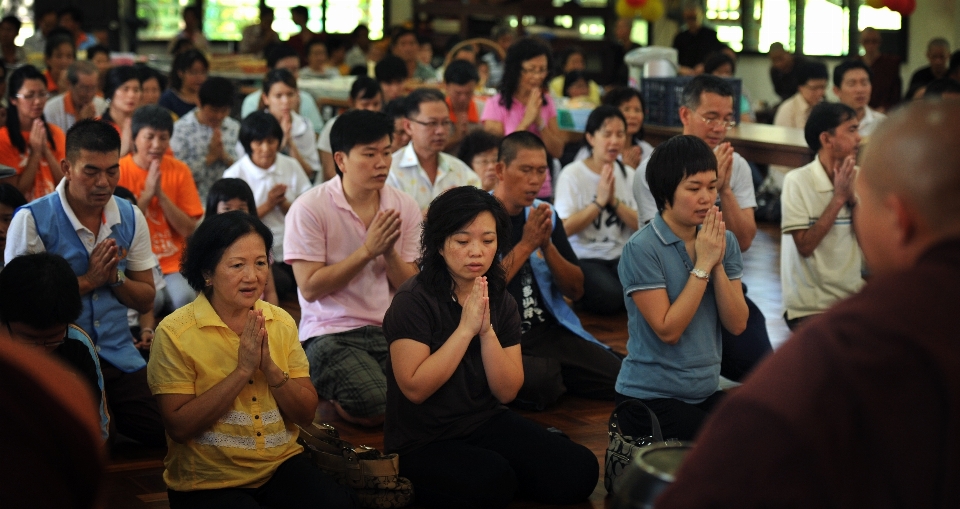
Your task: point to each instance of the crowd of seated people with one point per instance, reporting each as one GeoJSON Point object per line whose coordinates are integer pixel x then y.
{"type": "Point", "coordinates": [440, 254]}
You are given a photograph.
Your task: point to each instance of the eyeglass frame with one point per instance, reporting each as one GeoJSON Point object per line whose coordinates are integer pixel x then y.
{"type": "Point", "coordinates": [46, 344]}
{"type": "Point", "coordinates": [433, 124]}
{"type": "Point", "coordinates": [39, 95]}
{"type": "Point", "coordinates": [711, 122]}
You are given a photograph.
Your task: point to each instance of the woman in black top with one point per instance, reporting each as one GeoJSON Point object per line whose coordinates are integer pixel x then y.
{"type": "Point", "coordinates": [454, 335]}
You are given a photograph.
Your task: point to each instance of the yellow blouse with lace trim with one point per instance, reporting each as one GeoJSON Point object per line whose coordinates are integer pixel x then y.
{"type": "Point", "coordinates": [193, 351]}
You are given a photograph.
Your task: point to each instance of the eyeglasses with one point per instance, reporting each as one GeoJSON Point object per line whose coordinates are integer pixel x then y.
{"type": "Point", "coordinates": [718, 122]}
{"type": "Point", "coordinates": [34, 342]}
{"type": "Point", "coordinates": [534, 70]}
{"type": "Point", "coordinates": [484, 161]}
{"type": "Point", "coordinates": [41, 96]}
{"type": "Point", "coordinates": [433, 124]}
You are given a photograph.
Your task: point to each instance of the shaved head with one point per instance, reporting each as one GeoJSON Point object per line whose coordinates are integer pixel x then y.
{"type": "Point", "coordinates": [908, 185]}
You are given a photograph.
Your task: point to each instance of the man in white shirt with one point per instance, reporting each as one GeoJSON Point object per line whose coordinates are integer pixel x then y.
{"type": "Point", "coordinates": [794, 112]}
{"type": "Point", "coordinates": [820, 260]}
{"type": "Point", "coordinates": [258, 36]}
{"type": "Point", "coordinates": [851, 84]}
{"type": "Point", "coordinates": [44, 21]}
{"type": "Point", "coordinates": [81, 101]}
{"type": "Point", "coordinates": [422, 169]}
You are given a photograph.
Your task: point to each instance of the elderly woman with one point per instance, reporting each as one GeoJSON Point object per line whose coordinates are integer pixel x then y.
{"type": "Point", "coordinates": [454, 336]}
{"type": "Point", "coordinates": [232, 382]}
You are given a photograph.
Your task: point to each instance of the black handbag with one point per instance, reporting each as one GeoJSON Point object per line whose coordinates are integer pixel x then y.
{"type": "Point", "coordinates": [621, 449]}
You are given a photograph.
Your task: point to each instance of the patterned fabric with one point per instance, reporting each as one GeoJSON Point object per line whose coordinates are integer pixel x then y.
{"type": "Point", "coordinates": [349, 367]}
{"type": "Point", "coordinates": [190, 142]}
{"type": "Point", "coordinates": [407, 175]}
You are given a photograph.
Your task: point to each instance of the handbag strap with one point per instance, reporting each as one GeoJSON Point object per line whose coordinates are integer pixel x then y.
{"type": "Point", "coordinates": [614, 425]}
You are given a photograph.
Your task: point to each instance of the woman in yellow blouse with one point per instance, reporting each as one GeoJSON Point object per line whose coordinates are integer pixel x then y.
{"type": "Point", "coordinates": [232, 382]}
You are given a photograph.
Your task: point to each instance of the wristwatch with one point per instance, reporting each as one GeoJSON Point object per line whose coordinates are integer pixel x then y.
{"type": "Point", "coordinates": [121, 277]}
{"type": "Point", "coordinates": [700, 274]}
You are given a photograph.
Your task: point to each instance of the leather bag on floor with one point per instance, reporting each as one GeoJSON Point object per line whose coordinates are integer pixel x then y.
{"type": "Point", "coordinates": [621, 449]}
{"type": "Point", "coordinates": [374, 476]}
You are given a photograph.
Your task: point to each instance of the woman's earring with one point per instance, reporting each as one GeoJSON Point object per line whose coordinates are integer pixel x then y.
{"type": "Point", "coordinates": [207, 281]}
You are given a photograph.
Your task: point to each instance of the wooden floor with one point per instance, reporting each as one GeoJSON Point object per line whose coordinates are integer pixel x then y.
{"type": "Point", "coordinates": [134, 478]}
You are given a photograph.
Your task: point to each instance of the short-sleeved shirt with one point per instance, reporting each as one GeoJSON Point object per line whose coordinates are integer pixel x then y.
{"type": "Point", "coordinates": [304, 137]}
{"type": "Point", "coordinates": [646, 150]}
{"type": "Point", "coordinates": [322, 227]}
{"type": "Point", "coordinates": [407, 175]}
{"type": "Point", "coordinates": [191, 143]}
{"type": "Point", "coordinates": [793, 112]}
{"type": "Point", "coordinates": [176, 181]}
{"type": "Point", "coordinates": [323, 141]}
{"type": "Point", "coordinates": [308, 107]}
{"type": "Point", "coordinates": [43, 183]}
{"type": "Point", "coordinates": [870, 121]}
{"type": "Point", "coordinates": [741, 183]}
{"type": "Point", "coordinates": [193, 351]}
{"type": "Point", "coordinates": [834, 270]}
{"type": "Point", "coordinates": [171, 101]}
{"type": "Point", "coordinates": [576, 189]}
{"type": "Point", "coordinates": [523, 287]}
{"type": "Point", "coordinates": [463, 402]}
{"type": "Point", "coordinates": [22, 236]}
{"type": "Point", "coordinates": [61, 112]}
{"type": "Point", "coordinates": [286, 170]}
{"type": "Point", "coordinates": [656, 258]}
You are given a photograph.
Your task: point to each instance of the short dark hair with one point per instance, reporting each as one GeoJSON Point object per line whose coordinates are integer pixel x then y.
{"type": "Point", "coordinates": [716, 60]}
{"type": "Point", "coordinates": [365, 87]}
{"type": "Point", "coordinates": [299, 9]}
{"type": "Point", "coordinates": [275, 76]}
{"type": "Point", "coordinates": [704, 83]}
{"type": "Point", "coordinates": [674, 160]}
{"type": "Point", "coordinates": [73, 12]}
{"type": "Point", "coordinates": [359, 127]}
{"type": "Point", "coordinates": [825, 117]}
{"type": "Point", "coordinates": [396, 108]}
{"type": "Point", "coordinates": [391, 69]}
{"type": "Point", "coordinates": [40, 290]}
{"type": "Point", "coordinates": [601, 114]}
{"type": "Point", "coordinates": [617, 96]}
{"type": "Point", "coordinates": [11, 196]}
{"type": "Point", "coordinates": [477, 142]}
{"type": "Point", "coordinates": [126, 194]}
{"type": "Point", "coordinates": [146, 73]}
{"type": "Point", "coordinates": [79, 67]}
{"type": "Point", "coordinates": [571, 78]}
{"type": "Point", "coordinates": [258, 126]}
{"type": "Point", "coordinates": [937, 88]}
{"type": "Point", "coordinates": [93, 51]}
{"type": "Point", "coordinates": [116, 77]}
{"type": "Point", "coordinates": [13, 20]}
{"type": "Point", "coordinates": [278, 53]}
{"type": "Point", "coordinates": [811, 70]}
{"type": "Point", "coordinates": [419, 96]}
{"type": "Point", "coordinates": [214, 235]}
{"type": "Point", "coordinates": [217, 92]}
{"type": "Point", "coordinates": [402, 32]}
{"type": "Point", "coordinates": [183, 62]}
{"type": "Point", "coordinates": [846, 66]}
{"type": "Point", "coordinates": [513, 143]}
{"type": "Point", "coordinates": [153, 116]}
{"type": "Point", "coordinates": [55, 41]}
{"type": "Point", "coordinates": [93, 136]}
{"type": "Point", "coordinates": [448, 214]}
{"type": "Point", "coordinates": [227, 189]}
{"type": "Point", "coordinates": [565, 55]}
{"type": "Point", "coordinates": [460, 72]}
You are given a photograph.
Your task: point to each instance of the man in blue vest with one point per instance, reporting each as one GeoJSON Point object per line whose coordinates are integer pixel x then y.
{"type": "Point", "coordinates": [107, 244]}
{"type": "Point", "coordinates": [558, 354]}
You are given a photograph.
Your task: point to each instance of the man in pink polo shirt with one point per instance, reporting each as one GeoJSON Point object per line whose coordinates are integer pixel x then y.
{"type": "Point", "coordinates": [352, 242]}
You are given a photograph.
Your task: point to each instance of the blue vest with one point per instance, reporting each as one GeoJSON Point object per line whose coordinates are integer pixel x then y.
{"type": "Point", "coordinates": [552, 298]}
{"type": "Point", "coordinates": [103, 317]}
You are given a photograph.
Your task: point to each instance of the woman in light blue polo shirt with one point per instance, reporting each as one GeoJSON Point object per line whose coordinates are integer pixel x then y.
{"type": "Point", "coordinates": [680, 275]}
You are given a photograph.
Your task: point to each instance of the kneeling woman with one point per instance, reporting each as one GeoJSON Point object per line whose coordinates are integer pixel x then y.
{"type": "Point", "coordinates": [454, 336]}
{"type": "Point", "coordinates": [232, 381]}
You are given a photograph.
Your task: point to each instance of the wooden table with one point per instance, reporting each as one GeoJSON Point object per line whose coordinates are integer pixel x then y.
{"type": "Point", "coordinates": [758, 143]}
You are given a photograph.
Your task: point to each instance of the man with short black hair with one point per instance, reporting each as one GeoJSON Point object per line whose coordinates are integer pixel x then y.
{"type": "Point", "coordinates": [852, 86]}
{"type": "Point", "coordinates": [460, 80]}
{"type": "Point", "coordinates": [392, 73]}
{"type": "Point", "coordinates": [422, 169]}
{"type": "Point", "coordinates": [820, 262]}
{"type": "Point", "coordinates": [352, 241]}
{"type": "Point", "coordinates": [81, 101]}
{"type": "Point", "coordinates": [404, 44]}
{"type": "Point", "coordinates": [107, 243]}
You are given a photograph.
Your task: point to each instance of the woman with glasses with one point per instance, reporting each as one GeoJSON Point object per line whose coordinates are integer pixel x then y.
{"type": "Point", "coordinates": [189, 71]}
{"type": "Point", "coordinates": [27, 142]}
{"type": "Point", "coordinates": [523, 102]}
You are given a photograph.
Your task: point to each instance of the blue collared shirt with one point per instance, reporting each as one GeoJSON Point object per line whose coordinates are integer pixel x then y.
{"type": "Point", "coordinates": [689, 370]}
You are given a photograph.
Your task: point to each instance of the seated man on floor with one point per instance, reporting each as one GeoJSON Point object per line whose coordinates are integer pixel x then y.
{"type": "Point", "coordinates": [859, 409]}
{"type": "Point", "coordinates": [820, 261]}
{"type": "Point", "coordinates": [80, 101]}
{"type": "Point", "coordinates": [558, 354]}
{"type": "Point", "coordinates": [39, 301]}
{"type": "Point", "coordinates": [352, 241]}
{"type": "Point", "coordinates": [107, 243]}
{"type": "Point", "coordinates": [422, 169]}
{"type": "Point", "coordinates": [852, 86]}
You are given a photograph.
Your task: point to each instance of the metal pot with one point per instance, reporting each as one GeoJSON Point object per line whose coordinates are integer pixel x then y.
{"type": "Point", "coordinates": [651, 471]}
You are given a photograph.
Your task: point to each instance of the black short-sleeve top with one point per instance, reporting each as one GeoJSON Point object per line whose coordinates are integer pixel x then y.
{"type": "Point", "coordinates": [464, 402]}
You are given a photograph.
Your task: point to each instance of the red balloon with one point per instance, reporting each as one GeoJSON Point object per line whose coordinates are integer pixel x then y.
{"type": "Point", "coordinates": [908, 7]}
{"type": "Point", "coordinates": [636, 3]}
{"type": "Point", "coordinates": [895, 5]}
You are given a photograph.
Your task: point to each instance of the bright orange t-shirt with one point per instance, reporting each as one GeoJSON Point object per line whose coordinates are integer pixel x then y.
{"type": "Point", "coordinates": [176, 181]}
{"type": "Point", "coordinates": [43, 183]}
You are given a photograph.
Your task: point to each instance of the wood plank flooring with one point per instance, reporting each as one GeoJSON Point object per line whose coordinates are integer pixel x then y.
{"type": "Point", "coordinates": [134, 479]}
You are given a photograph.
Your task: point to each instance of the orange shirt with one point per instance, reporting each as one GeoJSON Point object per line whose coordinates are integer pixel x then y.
{"type": "Point", "coordinates": [43, 184]}
{"type": "Point", "coordinates": [176, 181]}
{"type": "Point", "coordinates": [51, 82]}
{"type": "Point", "coordinates": [473, 116]}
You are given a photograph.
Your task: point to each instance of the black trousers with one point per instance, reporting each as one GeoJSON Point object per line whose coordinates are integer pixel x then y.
{"type": "Point", "coordinates": [133, 409]}
{"type": "Point", "coordinates": [556, 361]}
{"type": "Point", "coordinates": [743, 352]}
{"type": "Point", "coordinates": [602, 291]}
{"type": "Point", "coordinates": [507, 456]}
{"type": "Point", "coordinates": [677, 419]}
{"type": "Point", "coordinates": [297, 484]}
